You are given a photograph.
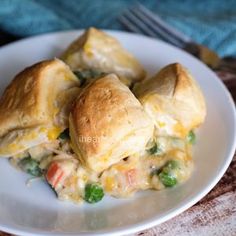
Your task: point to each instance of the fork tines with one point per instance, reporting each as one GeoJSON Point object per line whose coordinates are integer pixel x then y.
{"type": "Point", "coordinates": [141, 20]}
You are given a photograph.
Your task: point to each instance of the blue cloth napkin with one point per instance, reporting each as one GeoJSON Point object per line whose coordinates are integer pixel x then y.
{"type": "Point", "coordinates": [209, 22]}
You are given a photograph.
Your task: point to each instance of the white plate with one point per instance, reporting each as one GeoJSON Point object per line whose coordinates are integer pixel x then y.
{"type": "Point", "coordinates": [36, 211]}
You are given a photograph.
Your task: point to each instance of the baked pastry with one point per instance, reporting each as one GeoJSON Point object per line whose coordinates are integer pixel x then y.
{"type": "Point", "coordinates": [107, 123]}
{"type": "Point", "coordinates": [100, 51]}
{"type": "Point", "coordinates": [34, 107]}
{"type": "Point", "coordinates": [173, 100]}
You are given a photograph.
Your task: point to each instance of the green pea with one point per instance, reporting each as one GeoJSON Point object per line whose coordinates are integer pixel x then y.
{"type": "Point", "coordinates": [191, 137]}
{"type": "Point", "coordinates": [84, 75]}
{"type": "Point", "coordinates": [167, 179]}
{"type": "Point", "coordinates": [95, 73]}
{"type": "Point", "coordinates": [156, 150]}
{"type": "Point", "coordinates": [167, 176]}
{"type": "Point", "coordinates": [81, 77]}
{"type": "Point", "coordinates": [93, 193]}
{"type": "Point", "coordinates": [30, 166]}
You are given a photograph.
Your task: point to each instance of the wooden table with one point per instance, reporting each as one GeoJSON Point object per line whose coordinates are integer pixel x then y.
{"type": "Point", "coordinates": [215, 214]}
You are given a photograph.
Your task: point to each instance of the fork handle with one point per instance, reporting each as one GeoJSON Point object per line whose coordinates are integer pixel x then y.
{"type": "Point", "coordinates": [224, 67]}
{"type": "Point", "coordinates": [205, 54]}
{"type": "Point", "coordinates": [210, 58]}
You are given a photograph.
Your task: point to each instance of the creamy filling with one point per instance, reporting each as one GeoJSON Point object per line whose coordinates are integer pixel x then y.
{"type": "Point", "coordinates": [165, 163]}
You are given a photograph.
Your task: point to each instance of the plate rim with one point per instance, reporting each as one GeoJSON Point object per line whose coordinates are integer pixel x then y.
{"type": "Point", "coordinates": [151, 222]}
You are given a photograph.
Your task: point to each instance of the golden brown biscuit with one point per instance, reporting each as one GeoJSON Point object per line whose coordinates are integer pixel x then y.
{"type": "Point", "coordinates": [35, 105]}
{"type": "Point", "coordinates": [100, 51]}
{"type": "Point", "coordinates": [107, 124]}
{"type": "Point", "coordinates": [173, 100]}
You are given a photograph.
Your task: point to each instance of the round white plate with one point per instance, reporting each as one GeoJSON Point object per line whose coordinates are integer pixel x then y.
{"type": "Point", "coordinates": [36, 211]}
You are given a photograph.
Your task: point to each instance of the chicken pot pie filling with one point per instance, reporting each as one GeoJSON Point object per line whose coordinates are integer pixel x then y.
{"type": "Point", "coordinates": [165, 162]}
{"type": "Point", "coordinates": [52, 152]}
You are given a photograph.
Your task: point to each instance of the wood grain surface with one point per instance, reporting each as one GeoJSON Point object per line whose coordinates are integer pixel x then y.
{"type": "Point", "coordinates": [215, 214]}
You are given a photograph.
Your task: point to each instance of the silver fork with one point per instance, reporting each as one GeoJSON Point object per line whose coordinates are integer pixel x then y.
{"type": "Point", "coordinates": [139, 19]}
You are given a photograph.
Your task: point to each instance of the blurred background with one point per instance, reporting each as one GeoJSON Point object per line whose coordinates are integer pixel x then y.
{"type": "Point", "coordinates": [209, 22]}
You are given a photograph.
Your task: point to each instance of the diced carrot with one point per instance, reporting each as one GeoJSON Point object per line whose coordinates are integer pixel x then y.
{"type": "Point", "coordinates": [54, 174]}
{"type": "Point", "coordinates": [131, 177]}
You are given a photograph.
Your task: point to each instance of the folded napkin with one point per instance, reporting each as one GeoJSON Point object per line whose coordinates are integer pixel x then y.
{"type": "Point", "coordinates": [210, 22]}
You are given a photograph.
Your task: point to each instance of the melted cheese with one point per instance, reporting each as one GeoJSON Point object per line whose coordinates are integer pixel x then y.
{"type": "Point", "coordinates": [109, 184]}
{"type": "Point", "coordinates": [88, 50]}
{"type": "Point", "coordinates": [54, 132]}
